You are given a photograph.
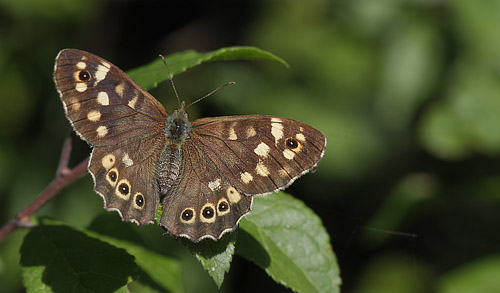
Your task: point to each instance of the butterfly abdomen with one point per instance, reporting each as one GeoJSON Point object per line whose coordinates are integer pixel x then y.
{"type": "Point", "coordinates": [169, 167]}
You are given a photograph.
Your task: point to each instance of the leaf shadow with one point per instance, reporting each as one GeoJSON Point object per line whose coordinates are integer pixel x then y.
{"type": "Point", "coordinates": [248, 247]}
{"type": "Point", "coordinates": [208, 248]}
{"type": "Point", "coordinates": [73, 261]}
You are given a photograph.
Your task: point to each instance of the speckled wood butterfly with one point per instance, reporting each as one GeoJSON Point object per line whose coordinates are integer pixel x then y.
{"type": "Point", "coordinates": [204, 172]}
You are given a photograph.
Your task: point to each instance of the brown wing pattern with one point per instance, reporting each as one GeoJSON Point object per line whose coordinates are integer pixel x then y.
{"type": "Point", "coordinates": [203, 204]}
{"type": "Point", "coordinates": [226, 161]}
{"type": "Point", "coordinates": [103, 104]}
{"type": "Point", "coordinates": [125, 176]}
{"type": "Point", "coordinates": [259, 154]}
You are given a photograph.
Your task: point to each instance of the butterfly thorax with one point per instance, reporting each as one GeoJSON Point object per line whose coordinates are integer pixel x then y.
{"type": "Point", "coordinates": [177, 130]}
{"type": "Point", "coordinates": [177, 127]}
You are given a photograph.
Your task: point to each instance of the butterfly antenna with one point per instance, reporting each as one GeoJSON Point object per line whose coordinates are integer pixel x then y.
{"type": "Point", "coordinates": [212, 92]}
{"type": "Point", "coordinates": [171, 79]}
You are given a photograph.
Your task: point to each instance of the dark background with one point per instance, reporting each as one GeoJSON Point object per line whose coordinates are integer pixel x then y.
{"type": "Point", "coordinates": [407, 93]}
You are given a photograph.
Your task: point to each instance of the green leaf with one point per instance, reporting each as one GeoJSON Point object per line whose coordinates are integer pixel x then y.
{"type": "Point", "coordinates": [150, 75]}
{"type": "Point", "coordinates": [214, 256]}
{"type": "Point", "coordinates": [161, 271]}
{"type": "Point", "coordinates": [60, 259]}
{"type": "Point", "coordinates": [287, 239]}
{"type": "Point", "coordinates": [109, 260]}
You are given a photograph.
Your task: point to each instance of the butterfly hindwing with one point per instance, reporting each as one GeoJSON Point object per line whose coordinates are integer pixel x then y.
{"type": "Point", "coordinates": [125, 176]}
{"type": "Point", "coordinates": [103, 104]}
{"type": "Point", "coordinates": [203, 204]}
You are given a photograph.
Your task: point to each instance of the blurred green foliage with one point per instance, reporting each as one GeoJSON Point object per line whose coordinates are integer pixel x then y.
{"type": "Point", "coordinates": [407, 93]}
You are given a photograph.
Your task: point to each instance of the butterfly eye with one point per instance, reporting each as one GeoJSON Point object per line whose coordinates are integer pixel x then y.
{"type": "Point", "coordinates": [291, 143]}
{"type": "Point", "coordinates": [187, 215]}
{"type": "Point", "coordinates": [84, 75]}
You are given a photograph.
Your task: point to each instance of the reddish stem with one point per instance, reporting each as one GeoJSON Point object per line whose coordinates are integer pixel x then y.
{"type": "Point", "coordinates": [64, 176]}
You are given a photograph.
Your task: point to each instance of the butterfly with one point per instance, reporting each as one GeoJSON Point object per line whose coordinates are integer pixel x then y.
{"type": "Point", "coordinates": [204, 172]}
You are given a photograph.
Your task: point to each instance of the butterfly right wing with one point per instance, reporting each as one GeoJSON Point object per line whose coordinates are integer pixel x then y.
{"type": "Point", "coordinates": [103, 104]}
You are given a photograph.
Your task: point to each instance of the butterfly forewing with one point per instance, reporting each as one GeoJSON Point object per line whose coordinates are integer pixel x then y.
{"type": "Point", "coordinates": [259, 154]}
{"type": "Point", "coordinates": [103, 104]}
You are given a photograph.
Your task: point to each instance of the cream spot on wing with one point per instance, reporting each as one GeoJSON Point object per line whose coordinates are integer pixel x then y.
{"type": "Point", "coordinates": [283, 173]}
{"type": "Point", "coordinates": [262, 150]}
{"type": "Point", "coordinates": [277, 130]}
{"type": "Point", "coordinates": [298, 148]}
{"type": "Point", "coordinates": [127, 161]}
{"type": "Point", "coordinates": [233, 195]}
{"type": "Point", "coordinates": [106, 64]}
{"type": "Point", "coordinates": [275, 119]}
{"type": "Point", "coordinates": [246, 177]}
{"type": "Point", "coordinates": [214, 185]}
{"type": "Point", "coordinates": [132, 102]}
{"type": "Point", "coordinates": [81, 87]}
{"type": "Point", "coordinates": [81, 65]}
{"type": "Point", "coordinates": [288, 154]}
{"type": "Point", "coordinates": [232, 133]}
{"type": "Point", "coordinates": [261, 169]}
{"type": "Point", "coordinates": [102, 131]}
{"type": "Point", "coordinates": [108, 161]}
{"type": "Point", "coordinates": [119, 89]}
{"type": "Point", "coordinates": [76, 106]}
{"type": "Point", "coordinates": [94, 115]}
{"type": "Point", "coordinates": [300, 137]}
{"type": "Point", "coordinates": [103, 98]}
{"type": "Point", "coordinates": [251, 132]}
{"type": "Point", "coordinates": [101, 73]}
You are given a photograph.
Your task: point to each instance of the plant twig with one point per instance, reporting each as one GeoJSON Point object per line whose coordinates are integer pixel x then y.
{"type": "Point", "coordinates": [64, 176]}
